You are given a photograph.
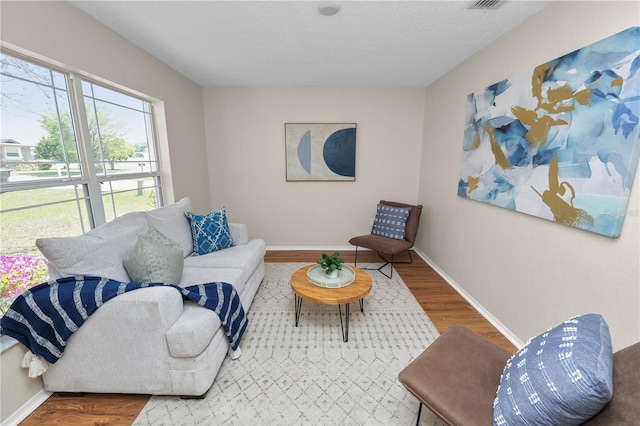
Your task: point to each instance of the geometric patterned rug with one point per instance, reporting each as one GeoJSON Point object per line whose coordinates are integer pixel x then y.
{"type": "Point", "coordinates": [302, 375]}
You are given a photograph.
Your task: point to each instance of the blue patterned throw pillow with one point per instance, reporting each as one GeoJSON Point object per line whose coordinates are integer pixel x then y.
{"type": "Point", "coordinates": [211, 232]}
{"type": "Point", "coordinates": [561, 377]}
{"type": "Point", "coordinates": [391, 222]}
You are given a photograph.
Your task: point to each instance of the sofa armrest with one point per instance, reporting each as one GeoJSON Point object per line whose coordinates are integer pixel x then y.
{"type": "Point", "coordinates": [138, 317]}
{"type": "Point", "coordinates": [123, 342]}
{"type": "Point", "coordinates": [239, 233]}
{"type": "Point", "coordinates": [190, 335]}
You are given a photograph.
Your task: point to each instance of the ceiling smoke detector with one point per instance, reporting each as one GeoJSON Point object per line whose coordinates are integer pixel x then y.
{"type": "Point", "coordinates": [328, 9]}
{"type": "Point", "coordinates": [485, 4]}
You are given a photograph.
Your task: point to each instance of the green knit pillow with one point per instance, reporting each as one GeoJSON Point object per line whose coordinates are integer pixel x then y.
{"type": "Point", "coordinates": [155, 258]}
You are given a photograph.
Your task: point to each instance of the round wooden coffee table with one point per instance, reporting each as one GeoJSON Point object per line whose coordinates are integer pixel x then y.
{"type": "Point", "coordinates": [356, 291]}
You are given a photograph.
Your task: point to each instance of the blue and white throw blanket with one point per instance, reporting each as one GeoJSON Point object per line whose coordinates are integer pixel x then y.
{"type": "Point", "coordinates": [45, 316]}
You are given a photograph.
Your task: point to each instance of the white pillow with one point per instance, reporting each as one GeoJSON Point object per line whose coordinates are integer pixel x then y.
{"type": "Point", "coordinates": [171, 221]}
{"type": "Point", "coordinates": [99, 252]}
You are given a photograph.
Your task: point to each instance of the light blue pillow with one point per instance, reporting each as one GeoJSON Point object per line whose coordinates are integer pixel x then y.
{"type": "Point", "coordinates": [561, 377]}
{"type": "Point", "coordinates": [155, 258]}
{"type": "Point", "coordinates": [211, 232]}
{"type": "Point", "coordinates": [391, 222]}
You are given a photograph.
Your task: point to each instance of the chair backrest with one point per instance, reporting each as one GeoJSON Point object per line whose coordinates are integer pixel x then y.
{"type": "Point", "coordinates": [412, 221]}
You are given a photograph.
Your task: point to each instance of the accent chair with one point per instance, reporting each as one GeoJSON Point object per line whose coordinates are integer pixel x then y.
{"type": "Point", "coordinates": [383, 243]}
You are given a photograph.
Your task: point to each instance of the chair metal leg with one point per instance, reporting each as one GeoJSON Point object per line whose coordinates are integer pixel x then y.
{"type": "Point", "coordinates": [390, 275]}
{"type": "Point", "coordinates": [391, 262]}
{"type": "Point", "coordinates": [387, 262]}
{"type": "Point", "coordinates": [355, 263]}
{"type": "Point", "coordinates": [419, 412]}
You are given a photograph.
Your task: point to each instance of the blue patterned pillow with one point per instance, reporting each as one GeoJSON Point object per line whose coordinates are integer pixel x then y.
{"type": "Point", "coordinates": [561, 377]}
{"type": "Point", "coordinates": [391, 222]}
{"type": "Point", "coordinates": [211, 232]}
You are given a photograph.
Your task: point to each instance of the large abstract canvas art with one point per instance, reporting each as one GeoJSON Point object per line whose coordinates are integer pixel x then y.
{"type": "Point", "coordinates": [561, 141]}
{"type": "Point", "coordinates": [320, 152]}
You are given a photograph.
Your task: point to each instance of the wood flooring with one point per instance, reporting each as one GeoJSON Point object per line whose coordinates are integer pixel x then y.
{"type": "Point", "coordinates": [440, 301]}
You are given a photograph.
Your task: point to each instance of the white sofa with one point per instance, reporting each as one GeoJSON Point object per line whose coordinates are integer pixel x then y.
{"type": "Point", "coordinates": [149, 341]}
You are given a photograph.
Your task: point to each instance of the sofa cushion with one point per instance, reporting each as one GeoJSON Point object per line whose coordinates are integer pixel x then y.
{"type": "Point", "coordinates": [171, 221]}
{"type": "Point", "coordinates": [99, 252]}
{"type": "Point", "coordinates": [391, 221]}
{"type": "Point", "coordinates": [195, 275]}
{"type": "Point", "coordinates": [155, 258]}
{"type": "Point", "coordinates": [239, 233]}
{"type": "Point", "coordinates": [245, 258]}
{"type": "Point", "coordinates": [563, 376]}
{"type": "Point", "coordinates": [210, 232]}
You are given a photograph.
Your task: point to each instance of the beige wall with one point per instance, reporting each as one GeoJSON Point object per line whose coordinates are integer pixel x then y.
{"type": "Point", "coordinates": [16, 388]}
{"type": "Point", "coordinates": [528, 273]}
{"type": "Point", "coordinates": [245, 138]}
{"type": "Point", "coordinates": [59, 31]}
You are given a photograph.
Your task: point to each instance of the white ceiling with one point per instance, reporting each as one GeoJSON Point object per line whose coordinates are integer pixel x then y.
{"type": "Point", "coordinates": [289, 43]}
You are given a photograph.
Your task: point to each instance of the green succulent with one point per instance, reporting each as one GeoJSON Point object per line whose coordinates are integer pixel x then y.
{"type": "Point", "coordinates": [331, 263]}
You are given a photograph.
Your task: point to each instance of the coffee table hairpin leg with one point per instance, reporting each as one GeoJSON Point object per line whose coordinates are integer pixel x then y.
{"type": "Point", "coordinates": [343, 325]}
{"type": "Point", "coordinates": [345, 329]}
{"type": "Point", "coordinates": [298, 307]}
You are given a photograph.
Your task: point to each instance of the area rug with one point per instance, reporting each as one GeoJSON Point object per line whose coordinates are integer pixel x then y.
{"type": "Point", "coordinates": [307, 375]}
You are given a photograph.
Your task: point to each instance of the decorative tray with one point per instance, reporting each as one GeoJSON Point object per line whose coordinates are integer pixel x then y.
{"type": "Point", "coordinates": [317, 276]}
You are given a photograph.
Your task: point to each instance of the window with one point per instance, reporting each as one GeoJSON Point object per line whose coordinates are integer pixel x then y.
{"type": "Point", "coordinates": [92, 157]}
{"type": "Point", "coordinates": [12, 153]}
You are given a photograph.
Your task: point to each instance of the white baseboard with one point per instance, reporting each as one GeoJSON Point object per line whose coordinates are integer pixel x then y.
{"type": "Point", "coordinates": [473, 302]}
{"type": "Point", "coordinates": [27, 408]}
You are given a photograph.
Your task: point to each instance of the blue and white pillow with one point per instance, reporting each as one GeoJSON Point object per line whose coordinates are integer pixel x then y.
{"type": "Point", "coordinates": [561, 377]}
{"type": "Point", "coordinates": [391, 222]}
{"type": "Point", "coordinates": [210, 232]}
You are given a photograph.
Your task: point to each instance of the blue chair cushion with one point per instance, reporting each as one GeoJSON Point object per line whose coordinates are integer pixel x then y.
{"type": "Point", "coordinates": [561, 377]}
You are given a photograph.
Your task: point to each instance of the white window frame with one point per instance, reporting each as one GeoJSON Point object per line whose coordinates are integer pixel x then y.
{"type": "Point", "coordinates": [89, 177]}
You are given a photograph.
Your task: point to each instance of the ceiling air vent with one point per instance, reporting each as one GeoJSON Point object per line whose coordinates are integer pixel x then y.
{"type": "Point", "coordinates": [485, 4]}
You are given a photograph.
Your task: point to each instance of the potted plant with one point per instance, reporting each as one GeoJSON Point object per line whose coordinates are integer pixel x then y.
{"type": "Point", "coordinates": [331, 264]}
